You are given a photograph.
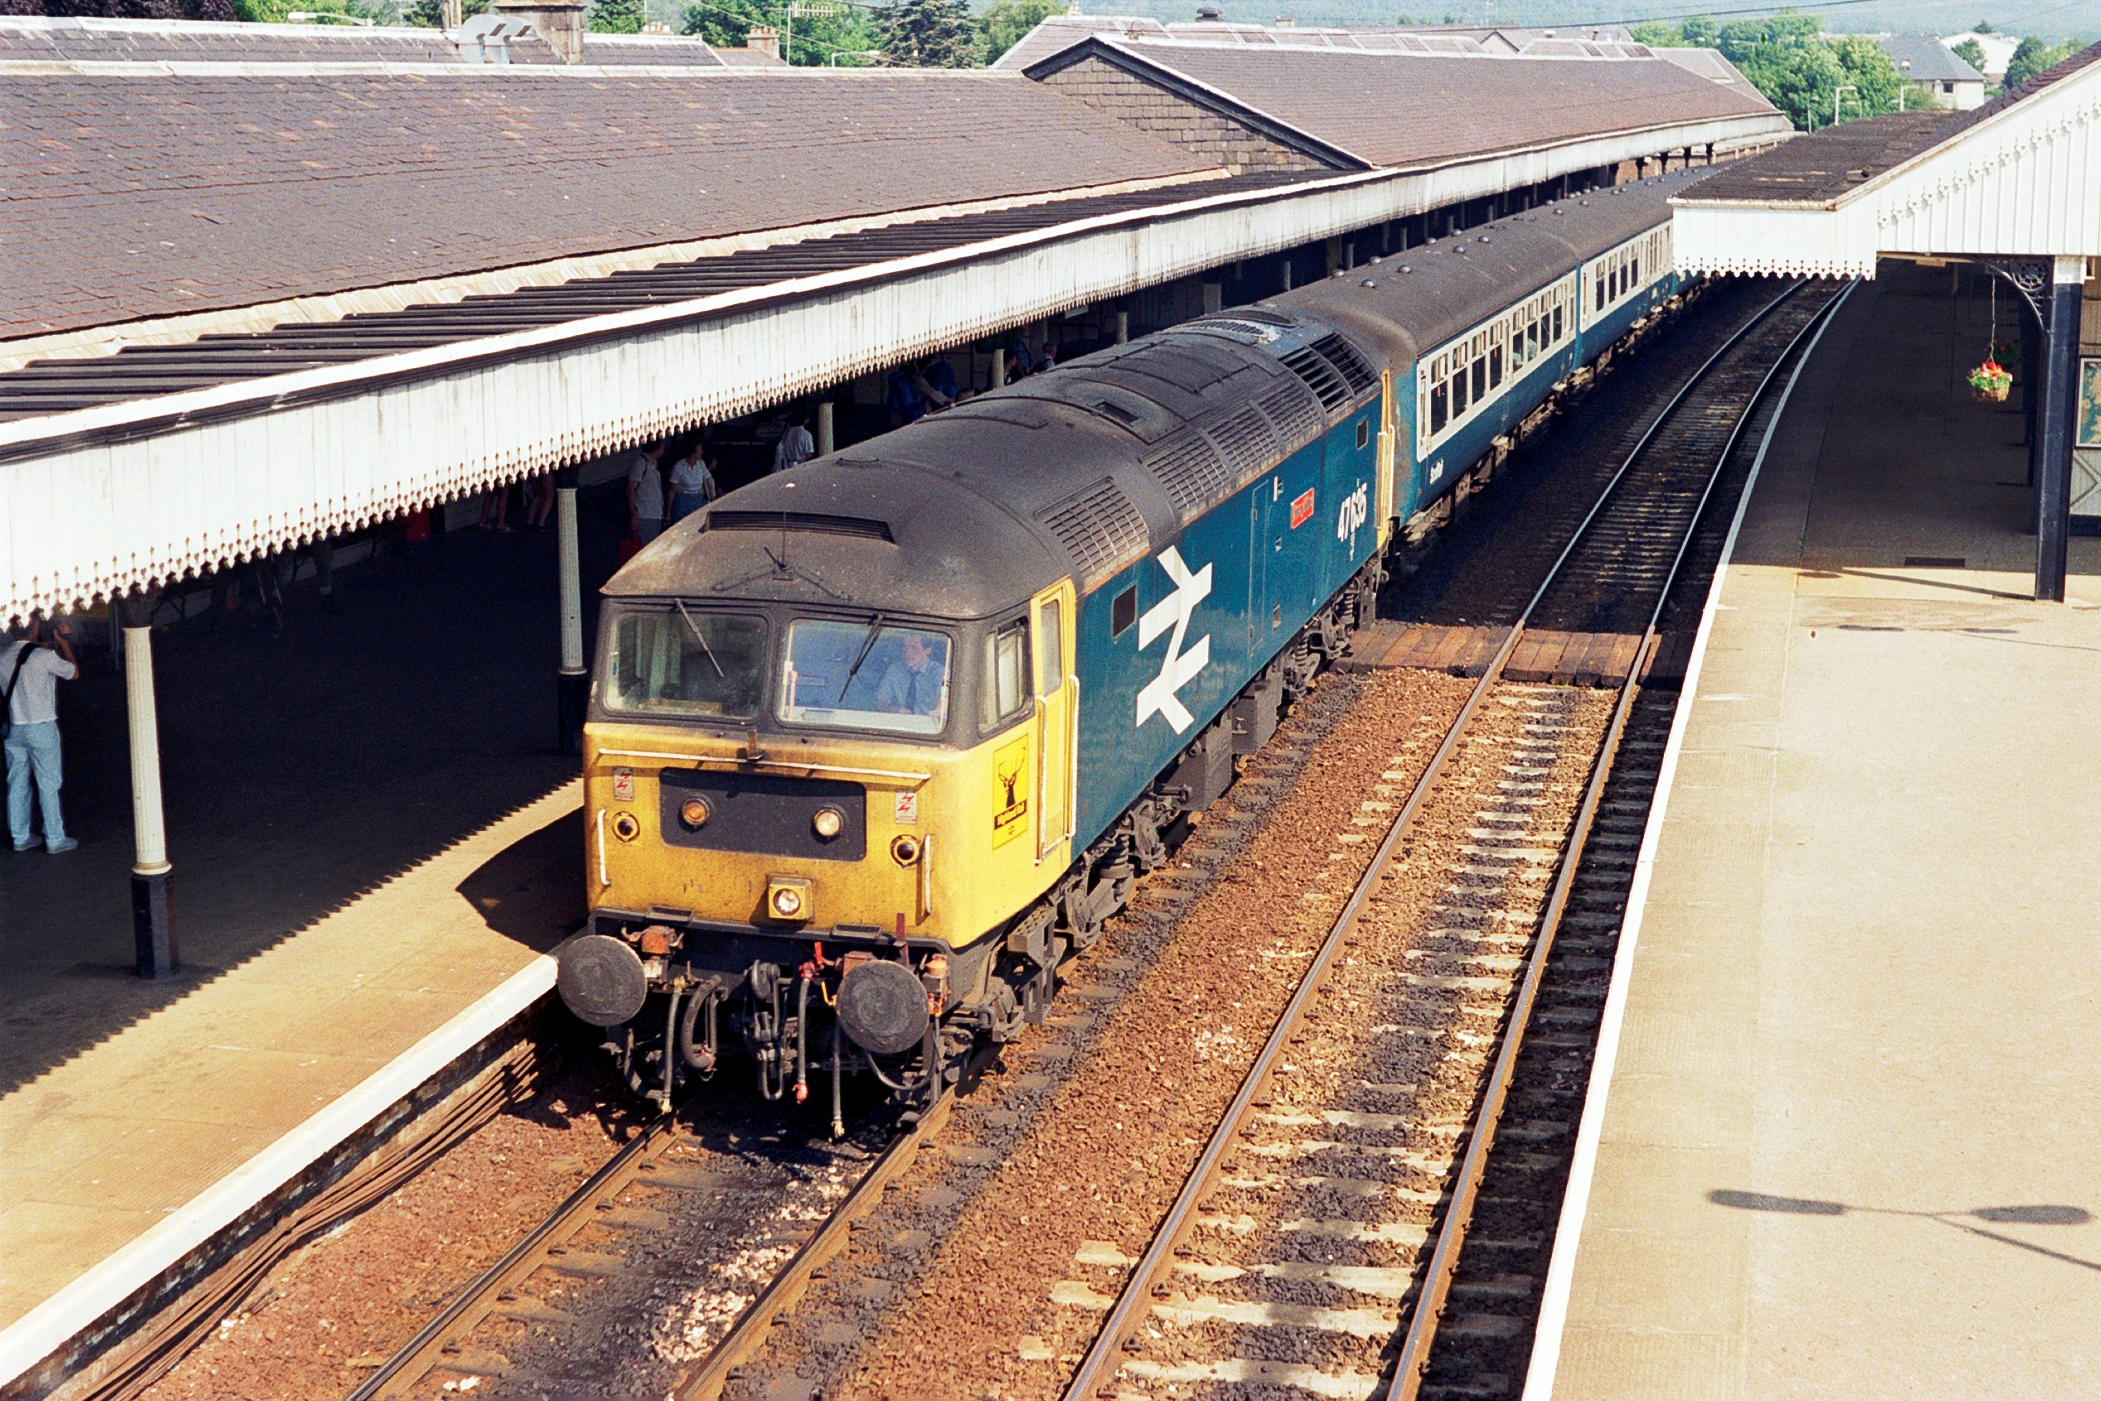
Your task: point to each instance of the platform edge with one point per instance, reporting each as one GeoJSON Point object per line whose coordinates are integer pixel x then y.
{"type": "Point", "coordinates": [49, 1327]}
{"type": "Point", "coordinates": [1575, 1202]}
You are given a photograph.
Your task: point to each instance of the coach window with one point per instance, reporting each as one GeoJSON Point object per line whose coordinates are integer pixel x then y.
{"type": "Point", "coordinates": [1557, 322]}
{"type": "Point", "coordinates": [1480, 377]}
{"type": "Point", "coordinates": [1495, 364]}
{"type": "Point", "coordinates": [1459, 391]}
{"type": "Point", "coordinates": [1006, 667]}
{"type": "Point", "coordinates": [1440, 407]}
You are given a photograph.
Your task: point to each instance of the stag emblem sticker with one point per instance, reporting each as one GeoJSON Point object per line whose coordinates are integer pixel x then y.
{"type": "Point", "coordinates": [1178, 668]}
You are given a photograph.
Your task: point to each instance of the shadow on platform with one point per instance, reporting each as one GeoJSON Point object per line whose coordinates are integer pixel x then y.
{"type": "Point", "coordinates": [302, 770]}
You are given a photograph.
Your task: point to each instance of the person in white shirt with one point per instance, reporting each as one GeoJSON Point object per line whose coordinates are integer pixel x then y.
{"type": "Point", "coordinates": [692, 485]}
{"type": "Point", "coordinates": [29, 677]}
{"type": "Point", "coordinates": [796, 445]}
{"type": "Point", "coordinates": [645, 494]}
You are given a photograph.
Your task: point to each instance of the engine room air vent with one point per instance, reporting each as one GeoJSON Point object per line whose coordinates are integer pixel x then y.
{"type": "Point", "coordinates": [1321, 377]}
{"type": "Point", "coordinates": [1344, 357]}
{"type": "Point", "coordinates": [1244, 440]}
{"type": "Point", "coordinates": [1292, 412]}
{"type": "Point", "coordinates": [1099, 526]}
{"type": "Point", "coordinates": [801, 520]}
{"type": "Point", "coordinates": [1189, 467]}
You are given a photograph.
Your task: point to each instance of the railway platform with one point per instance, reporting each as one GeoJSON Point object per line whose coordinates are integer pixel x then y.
{"type": "Point", "coordinates": [1839, 1137]}
{"type": "Point", "coordinates": [375, 844]}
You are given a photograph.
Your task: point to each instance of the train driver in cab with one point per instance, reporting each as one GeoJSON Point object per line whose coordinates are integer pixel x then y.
{"type": "Point", "coordinates": [912, 685]}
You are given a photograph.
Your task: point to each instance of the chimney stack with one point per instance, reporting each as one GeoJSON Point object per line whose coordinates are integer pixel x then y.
{"type": "Point", "coordinates": [765, 39]}
{"type": "Point", "coordinates": [559, 22]}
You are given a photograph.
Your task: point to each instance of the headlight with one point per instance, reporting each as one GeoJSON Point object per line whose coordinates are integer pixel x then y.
{"type": "Point", "coordinates": [828, 822]}
{"type": "Point", "coordinates": [694, 812]}
{"type": "Point", "coordinates": [787, 902]}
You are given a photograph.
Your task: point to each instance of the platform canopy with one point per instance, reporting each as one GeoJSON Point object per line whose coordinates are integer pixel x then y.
{"type": "Point", "coordinates": [2019, 177]}
{"type": "Point", "coordinates": [2014, 185]}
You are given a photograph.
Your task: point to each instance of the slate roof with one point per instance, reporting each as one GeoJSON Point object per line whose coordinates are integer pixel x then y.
{"type": "Point", "coordinates": [34, 39]}
{"type": "Point", "coordinates": [128, 197]}
{"type": "Point", "coordinates": [1820, 168]}
{"type": "Point", "coordinates": [1409, 111]}
{"type": "Point", "coordinates": [1930, 60]}
{"type": "Point", "coordinates": [1709, 64]}
{"type": "Point", "coordinates": [1060, 32]}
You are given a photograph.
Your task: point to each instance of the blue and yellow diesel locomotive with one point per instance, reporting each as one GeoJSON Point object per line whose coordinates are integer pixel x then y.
{"type": "Point", "coordinates": [874, 744]}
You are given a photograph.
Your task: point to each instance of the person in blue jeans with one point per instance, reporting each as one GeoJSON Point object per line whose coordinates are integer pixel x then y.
{"type": "Point", "coordinates": [30, 672]}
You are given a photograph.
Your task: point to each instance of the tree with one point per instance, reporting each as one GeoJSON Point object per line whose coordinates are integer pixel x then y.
{"type": "Point", "coordinates": [1970, 52]}
{"type": "Point", "coordinates": [1870, 72]}
{"type": "Point", "coordinates": [1699, 32]}
{"type": "Point", "coordinates": [430, 14]}
{"type": "Point", "coordinates": [616, 17]}
{"type": "Point", "coordinates": [1002, 26]}
{"type": "Point", "coordinates": [926, 34]}
{"type": "Point", "coordinates": [2033, 57]}
{"type": "Point", "coordinates": [1983, 26]}
{"type": "Point", "coordinates": [808, 40]}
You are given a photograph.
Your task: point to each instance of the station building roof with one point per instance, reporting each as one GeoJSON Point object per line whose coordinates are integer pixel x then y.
{"type": "Point", "coordinates": [1405, 110]}
{"type": "Point", "coordinates": [144, 194]}
{"type": "Point", "coordinates": [2015, 177]}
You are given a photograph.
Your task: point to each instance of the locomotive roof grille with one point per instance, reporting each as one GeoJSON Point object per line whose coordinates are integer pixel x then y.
{"type": "Point", "coordinates": [1345, 357]}
{"type": "Point", "coordinates": [1245, 442]}
{"type": "Point", "coordinates": [1291, 413]}
{"type": "Point", "coordinates": [1098, 526]}
{"type": "Point", "coordinates": [816, 521]}
{"type": "Point", "coordinates": [1189, 467]}
{"type": "Point", "coordinates": [1321, 377]}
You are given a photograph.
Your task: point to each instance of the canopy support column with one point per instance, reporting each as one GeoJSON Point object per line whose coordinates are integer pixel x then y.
{"type": "Point", "coordinates": [2059, 301]}
{"type": "Point", "coordinates": [827, 440]}
{"type": "Point", "coordinates": [152, 919]}
{"type": "Point", "coordinates": [572, 685]}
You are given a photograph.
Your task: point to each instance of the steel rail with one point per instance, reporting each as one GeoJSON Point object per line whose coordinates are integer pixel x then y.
{"type": "Point", "coordinates": [1098, 1367]}
{"type": "Point", "coordinates": [1414, 1358]}
{"type": "Point", "coordinates": [423, 1351]}
{"type": "Point", "coordinates": [749, 1333]}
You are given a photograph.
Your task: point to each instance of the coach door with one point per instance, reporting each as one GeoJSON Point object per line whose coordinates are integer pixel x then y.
{"type": "Point", "coordinates": [1057, 715]}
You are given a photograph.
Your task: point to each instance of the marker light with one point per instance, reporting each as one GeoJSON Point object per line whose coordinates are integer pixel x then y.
{"type": "Point", "coordinates": [787, 902]}
{"type": "Point", "coordinates": [828, 822]}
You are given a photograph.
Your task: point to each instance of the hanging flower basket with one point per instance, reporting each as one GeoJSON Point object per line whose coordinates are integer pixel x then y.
{"type": "Point", "coordinates": [1990, 382]}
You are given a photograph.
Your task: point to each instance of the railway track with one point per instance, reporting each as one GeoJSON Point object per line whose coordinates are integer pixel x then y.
{"type": "Point", "coordinates": [1315, 1246]}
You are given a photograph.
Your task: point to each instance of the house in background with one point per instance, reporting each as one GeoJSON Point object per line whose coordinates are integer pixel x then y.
{"type": "Point", "coordinates": [1925, 60]}
{"type": "Point", "coordinates": [1998, 50]}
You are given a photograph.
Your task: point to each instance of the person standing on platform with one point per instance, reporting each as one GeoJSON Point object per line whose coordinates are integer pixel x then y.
{"type": "Point", "coordinates": [30, 673]}
{"type": "Point", "coordinates": [645, 495]}
{"type": "Point", "coordinates": [796, 445]}
{"type": "Point", "coordinates": [692, 485]}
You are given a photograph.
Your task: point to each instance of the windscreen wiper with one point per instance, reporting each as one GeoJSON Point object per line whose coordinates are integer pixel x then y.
{"type": "Point", "coordinates": [875, 626]}
{"type": "Point", "coordinates": [706, 650]}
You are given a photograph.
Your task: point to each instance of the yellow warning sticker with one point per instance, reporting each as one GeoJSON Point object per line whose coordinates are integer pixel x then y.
{"type": "Point", "coordinates": [1010, 772]}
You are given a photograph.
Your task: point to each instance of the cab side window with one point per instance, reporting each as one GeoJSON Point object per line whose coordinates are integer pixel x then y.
{"type": "Point", "coordinates": [1050, 649]}
{"type": "Point", "coordinates": [1006, 673]}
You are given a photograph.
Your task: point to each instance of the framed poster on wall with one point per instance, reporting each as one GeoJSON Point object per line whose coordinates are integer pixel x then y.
{"type": "Point", "coordinates": [2089, 422]}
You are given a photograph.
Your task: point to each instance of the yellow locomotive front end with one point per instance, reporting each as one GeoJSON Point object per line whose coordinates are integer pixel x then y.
{"type": "Point", "coordinates": [809, 827]}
